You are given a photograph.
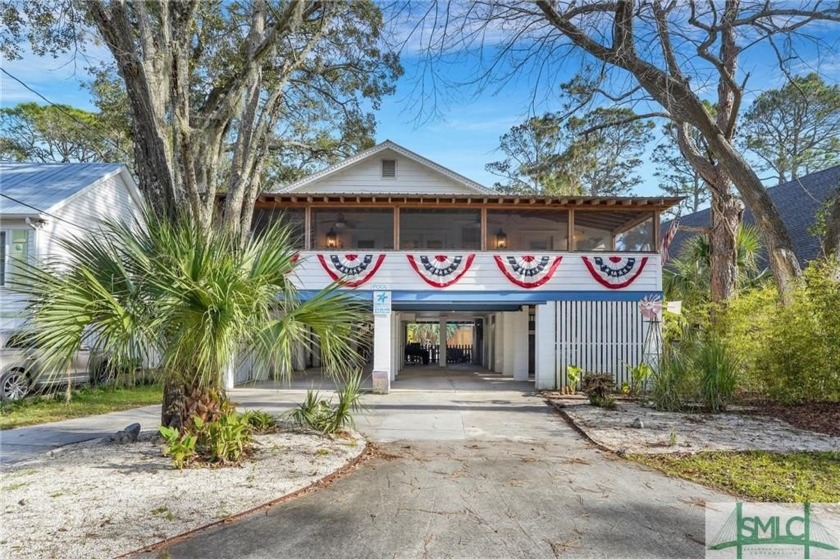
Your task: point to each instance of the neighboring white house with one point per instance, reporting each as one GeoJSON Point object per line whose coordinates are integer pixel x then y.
{"type": "Point", "coordinates": [544, 281]}
{"type": "Point", "coordinates": [41, 203]}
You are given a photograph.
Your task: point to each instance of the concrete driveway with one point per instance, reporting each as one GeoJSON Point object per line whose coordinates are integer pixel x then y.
{"type": "Point", "coordinates": [470, 465]}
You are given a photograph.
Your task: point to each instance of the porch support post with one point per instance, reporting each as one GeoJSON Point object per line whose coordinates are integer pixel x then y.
{"type": "Point", "coordinates": [499, 344]}
{"type": "Point", "coordinates": [510, 321]}
{"type": "Point", "coordinates": [442, 342]}
{"type": "Point", "coordinates": [545, 347]}
{"type": "Point", "coordinates": [520, 343]}
{"type": "Point", "coordinates": [382, 349]}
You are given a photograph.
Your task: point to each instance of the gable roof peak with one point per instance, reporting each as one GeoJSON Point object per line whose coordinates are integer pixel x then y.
{"type": "Point", "coordinates": [382, 146]}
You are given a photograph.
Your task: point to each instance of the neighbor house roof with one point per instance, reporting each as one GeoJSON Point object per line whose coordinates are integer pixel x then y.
{"type": "Point", "coordinates": [386, 145]}
{"type": "Point", "coordinates": [32, 189]}
{"type": "Point", "coordinates": [797, 201]}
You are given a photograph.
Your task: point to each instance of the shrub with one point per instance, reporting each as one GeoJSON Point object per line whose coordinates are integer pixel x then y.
{"type": "Point", "coordinates": [260, 421]}
{"type": "Point", "coordinates": [671, 383]}
{"type": "Point", "coordinates": [598, 386]}
{"type": "Point", "coordinates": [223, 439]}
{"type": "Point", "coordinates": [180, 446]}
{"type": "Point", "coordinates": [573, 376]}
{"type": "Point", "coordinates": [227, 440]}
{"type": "Point", "coordinates": [320, 414]}
{"type": "Point", "coordinates": [718, 370]}
{"type": "Point", "coordinates": [638, 377]}
{"type": "Point", "coordinates": [791, 354]}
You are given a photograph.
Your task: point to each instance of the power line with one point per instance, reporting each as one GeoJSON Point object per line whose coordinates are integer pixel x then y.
{"type": "Point", "coordinates": [60, 108]}
{"type": "Point", "coordinates": [40, 211]}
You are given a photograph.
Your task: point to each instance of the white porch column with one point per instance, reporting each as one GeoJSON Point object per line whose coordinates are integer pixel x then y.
{"type": "Point", "coordinates": [442, 344]}
{"type": "Point", "coordinates": [509, 342]}
{"type": "Point", "coordinates": [382, 347]}
{"type": "Point", "coordinates": [545, 346]}
{"type": "Point", "coordinates": [520, 344]}
{"type": "Point", "coordinates": [396, 349]}
{"type": "Point", "coordinates": [498, 363]}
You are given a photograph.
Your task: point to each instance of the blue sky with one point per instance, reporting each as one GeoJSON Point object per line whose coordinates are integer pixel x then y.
{"type": "Point", "coordinates": [464, 136]}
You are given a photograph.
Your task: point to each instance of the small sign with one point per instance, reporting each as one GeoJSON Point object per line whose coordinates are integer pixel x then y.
{"type": "Point", "coordinates": [381, 303]}
{"type": "Point", "coordinates": [674, 307]}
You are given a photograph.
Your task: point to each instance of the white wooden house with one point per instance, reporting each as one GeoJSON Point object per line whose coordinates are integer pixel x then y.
{"type": "Point", "coordinates": [546, 281]}
{"type": "Point", "coordinates": [41, 203]}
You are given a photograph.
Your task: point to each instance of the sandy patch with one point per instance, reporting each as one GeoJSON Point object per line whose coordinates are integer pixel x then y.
{"type": "Point", "coordinates": [665, 432]}
{"type": "Point", "coordinates": [104, 500]}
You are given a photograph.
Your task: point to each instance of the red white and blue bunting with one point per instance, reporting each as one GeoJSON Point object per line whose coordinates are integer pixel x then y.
{"type": "Point", "coordinates": [528, 271]}
{"type": "Point", "coordinates": [351, 269]}
{"type": "Point", "coordinates": [441, 270]}
{"type": "Point", "coordinates": [615, 272]}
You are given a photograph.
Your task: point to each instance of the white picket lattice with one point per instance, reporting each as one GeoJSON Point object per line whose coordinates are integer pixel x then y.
{"type": "Point", "coordinates": [599, 337]}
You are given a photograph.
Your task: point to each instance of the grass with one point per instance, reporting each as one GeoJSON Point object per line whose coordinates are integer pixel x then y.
{"type": "Point", "coordinates": [793, 477]}
{"type": "Point", "coordinates": [85, 401]}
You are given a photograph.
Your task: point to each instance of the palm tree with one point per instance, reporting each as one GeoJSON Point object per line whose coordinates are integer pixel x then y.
{"type": "Point", "coordinates": [687, 277]}
{"type": "Point", "coordinates": [187, 301]}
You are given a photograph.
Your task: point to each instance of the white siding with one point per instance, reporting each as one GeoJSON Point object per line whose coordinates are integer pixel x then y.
{"type": "Point", "coordinates": [110, 199]}
{"type": "Point", "coordinates": [366, 177]}
{"type": "Point", "coordinates": [484, 275]}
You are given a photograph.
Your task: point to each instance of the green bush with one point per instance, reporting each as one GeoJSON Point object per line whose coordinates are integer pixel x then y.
{"type": "Point", "coordinates": [227, 440]}
{"type": "Point", "coordinates": [672, 383]}
{"type": "Point", "coordinates": [321, 415]}
{"type": "Point", "coordinates": [790, 354]}
{"type": "Point", "coordinates": [598, 387]}
{"type": "Point", "coordinates": [260, 421]}
{"type": "Point", "coordinates": [224, 440]}
{"type": "Point", "coordinates": [718, 369]}
{"type": "Point", "coordinates": [180, 446]}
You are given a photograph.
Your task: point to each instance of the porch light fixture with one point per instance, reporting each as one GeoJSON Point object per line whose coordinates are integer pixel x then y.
{"type": "Point", "coordinates": [332, 238]}
{"type": "Point", "coordinates": [501, 239]}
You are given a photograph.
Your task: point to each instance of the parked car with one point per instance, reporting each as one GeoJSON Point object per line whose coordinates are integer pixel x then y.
{"type": "Point", "coordinates": [22, 369]}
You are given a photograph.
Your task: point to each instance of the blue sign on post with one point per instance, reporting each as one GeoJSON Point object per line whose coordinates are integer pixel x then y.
{"type": "Point", "coordinates": [381, 303]}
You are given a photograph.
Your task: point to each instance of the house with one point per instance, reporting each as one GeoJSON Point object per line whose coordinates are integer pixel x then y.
{"type": "Point", "coordinates": [545, 282]}
{"type": "Point", "coordinates": [798, 202]}
{"type": "Point", "coordinates": [41, 203]}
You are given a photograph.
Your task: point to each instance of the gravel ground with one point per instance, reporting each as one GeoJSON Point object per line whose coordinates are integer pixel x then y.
{"type": "Point", "coordinates": [104, 500]}
{"type": "Point", "coordinates": [691, 432]}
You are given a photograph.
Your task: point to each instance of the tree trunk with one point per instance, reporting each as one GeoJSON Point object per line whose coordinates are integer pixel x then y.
{"type": "Point", "coordinates": [831, 242]}
{"type": "Point", "coordinates": [783, 260]}
{"type": "Point", "coordinates": [174, 404]}
{"type": "Point", "coordinates": [727, 211]}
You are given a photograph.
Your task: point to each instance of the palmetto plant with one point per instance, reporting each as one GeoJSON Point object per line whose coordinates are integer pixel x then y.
{"type": "Point", "coordinates": [187, 301]}
{"type": "Point", "coordinates": [687, 277]}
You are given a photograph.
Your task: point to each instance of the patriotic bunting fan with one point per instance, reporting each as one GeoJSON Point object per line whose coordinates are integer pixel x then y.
{"type": "Point", "coordinates": [351, 269]}
{"type": "Point", "coordinates": [528, 271]}
{"type": "Point", "coordinates": [441, 270]}
{"type": "Point", "coordinates": [615, 272]}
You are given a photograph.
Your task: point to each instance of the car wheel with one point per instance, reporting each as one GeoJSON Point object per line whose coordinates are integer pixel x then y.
{"type": "Point", "coordinates": [14, 385]}
{"type": "Point", "coordinates": [103, 374]}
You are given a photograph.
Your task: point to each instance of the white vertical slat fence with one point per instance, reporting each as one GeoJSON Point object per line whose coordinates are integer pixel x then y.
{"type": "Point", "coordinates": [599, 337]}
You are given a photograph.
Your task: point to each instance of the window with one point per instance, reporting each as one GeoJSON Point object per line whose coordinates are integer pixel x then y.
{"type": "Point", "coordinates": [620, 231]}
{"type": "Point", "coordinates": [440, 229]}
{"type": "Point", "coordinates": [389, 168]}
{"type": "Point", "coordinates": [369, 229]}
{"type": "Point", "coordinates": [530, 230]}
{"type": "Point", "coordinates": [14, 248]}
{"type": "Point", "coordinates": [293, 218]}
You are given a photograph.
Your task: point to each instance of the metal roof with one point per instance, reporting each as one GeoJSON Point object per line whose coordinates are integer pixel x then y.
{"type": "Point", "coordinates": [522, 201]}
{"type": "Point", "coordinates": [35, 188]}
